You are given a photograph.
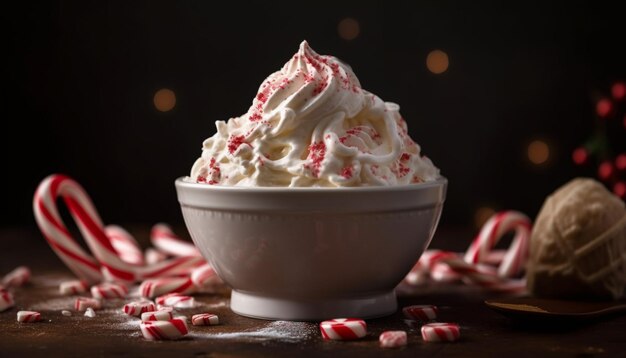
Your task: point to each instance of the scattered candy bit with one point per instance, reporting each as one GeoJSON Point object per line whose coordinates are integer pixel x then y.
{"type": "Point", "coordinates": [109, 290]}
{"type": "Point", "coordinates": [90, 313]}
{"type": "Point", "coordinates": [66, 313]}
{"type": "Point", "coordinates": [28, 316]}
{"type": "Point", "coordinates": [343, 329]}
{"type": "Point", "coordinates": [205, 319]}
{"type": "Point", "coordinates": [422, 313]}
{"type": "Point", "coordinates": [83, 303]}
{"type": "Point", "coordinates": [392, 339]}
{"type": "Point", "coordinates": [73, 287]}
{"type": "Point", "coordinates": [160, 315]}
{"type": "Point", "coordinates": [18, 277]}
{"type": "Point", "coordinates": [175, 300]}
{"type": "Point", "coordinates": [139, 307]}
{"type": "Point", "coordinates": [164, 330]}
{"type": "Point", "coordinates": [441, 332]}
{"type": "Point", "coordinates": [161, 286]}
{"type": "Point", "coordinates": [6, 300]}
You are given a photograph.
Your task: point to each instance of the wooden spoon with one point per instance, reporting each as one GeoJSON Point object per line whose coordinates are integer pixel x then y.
{"type": "Point", "coordinates": [530, 308]}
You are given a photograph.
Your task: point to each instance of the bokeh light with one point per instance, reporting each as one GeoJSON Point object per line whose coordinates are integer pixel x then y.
{"type": "Point", "coordinates": [604, 107]}
{"type": "Point", "coordinates": [348, 29]}
{"type": "Point", "coordinates": [164, 100]}
{"type": "Point", "coordinates": [605, 170]}
{"type": "Point", "coordinates": [538, 152]}
{"type": "Point", "coordinates": [483, 214]}
{"type": "Point", "coordinates": [620, 162]}
{"type": "Point", "coordinates": [620, 189]}
{"type": "Point", "coordinates": [437, 61]}
{"type": "Point", "coordinates": [618, 90]}
{"type": "Point", "coordinates": [580, 156]}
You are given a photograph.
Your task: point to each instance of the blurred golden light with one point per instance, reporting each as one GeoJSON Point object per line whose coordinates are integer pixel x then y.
{"type": "Point", "coordinates": [348, 29]}
{"type": "Point", "coordinates": [538, 152]}
{"type": "Point", "coordinates": [164, 100]}
{"type": "Point", "coordinates": [483, 214]}
{"type": "Point", "coordinates": [437, 61]}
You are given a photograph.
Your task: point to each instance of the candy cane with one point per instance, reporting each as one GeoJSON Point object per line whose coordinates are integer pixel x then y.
{"type": "Point", "coordinates": [107, 262]}
{"type": "Point", "coordinates": [153, 256]}
{"type": "Point", "coordinates": [125, 244]}
{"type": "Point", "coordinates": [492, 231]}
{"type": "Point", "coordinates": [482, 266]}
{"type": "Point", "coordinates": [55, 232]}
{"type": "Point", "coordinates": [164, 239]}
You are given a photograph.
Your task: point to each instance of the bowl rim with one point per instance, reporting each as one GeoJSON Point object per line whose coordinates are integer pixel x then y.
{"type": "Point", "coordinates": [182, 183]}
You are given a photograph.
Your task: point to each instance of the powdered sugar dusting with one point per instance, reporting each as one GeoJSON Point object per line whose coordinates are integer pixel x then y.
{"type": "Point", "coordinates": [283, 331]}
{"type": "Point", "coordinates": [62, 303]}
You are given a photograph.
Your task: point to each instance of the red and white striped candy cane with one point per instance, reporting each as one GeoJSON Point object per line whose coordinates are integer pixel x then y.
{"type": "Point", "coordinates": [205, 319]}
{"type": "Point", "coordinates": [175, 300]}
{"type": "Point", "coordinates": [18, 277]}
{"type": "Point", "coordinates": [392, 339]}
{"type": "Point", "coordinates": [493, 230]}
{"type": "Point", "coordinates": [164, 239]}
{"type": "Point", "coordinates": [28, 316]}
{"type": "Point", "coordinates": [82, 303]}
{"type": "Point", "coordinates": [422, 313]}
{"type": "Point", "coordinates": [162, 286]}
{"type": "Point", "coordinates": [164, 330]}
{"type": "Point", "coordinates": [125, 244]}
{"type": "Point", "coordinates": [481, 265]}
{"type": "Point", "coordinates": [73, 287]}
{"type": "Point", "coordinates": [205, 278]}
{"type": "Point", "coordinates": [55, 231]}
{"type": "Point", "coordinates": [153, 256]}
{"type": "Point", "coordinates": [137, 308]}
{"type": "Point", "coordinates": [343, 329]}
{"type": "Point", "coordinates": [89, 222]}
{"type": "Point", "coordinates": [441, 332]}
{"type": "Point", "coordinates": [160, 315]}
{"type": "Point", "coordinates": [6, 300]}
{"type": "Point", "coordinates": [108, 290]}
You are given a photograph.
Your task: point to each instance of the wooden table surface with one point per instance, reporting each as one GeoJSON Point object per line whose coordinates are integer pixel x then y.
{"type": "Point", "coordinates": [485, 333]}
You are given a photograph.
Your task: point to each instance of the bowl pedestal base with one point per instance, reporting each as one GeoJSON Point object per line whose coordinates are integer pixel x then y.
{"type": "Point", "coordinates": [314, 309]}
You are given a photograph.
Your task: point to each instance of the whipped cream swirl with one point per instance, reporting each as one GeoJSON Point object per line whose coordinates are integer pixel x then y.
{"type": "Point", "coordinates": [311, 124]}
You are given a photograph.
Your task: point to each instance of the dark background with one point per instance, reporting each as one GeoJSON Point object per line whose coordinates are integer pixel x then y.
{"type": "Point", "coordinates": [79, 79]}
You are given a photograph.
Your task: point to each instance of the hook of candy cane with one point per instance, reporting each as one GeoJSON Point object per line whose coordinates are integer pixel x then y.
{"type": "Point", "coordinates": [55, 232]}
{"type": "Point", "coordinates": [108, 265]}
{"type": "Point", "coordinates": [164, 239]}
{"type": "Point", "coordinates": [493, 230]}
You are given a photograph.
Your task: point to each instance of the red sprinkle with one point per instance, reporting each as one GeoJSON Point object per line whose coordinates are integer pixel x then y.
{"type": "Point", "coordinates": [234, 142]}
{"type": "Point", "coordinates": [317, 153]}
{"type": "Point", "coordinates": [347, 172]}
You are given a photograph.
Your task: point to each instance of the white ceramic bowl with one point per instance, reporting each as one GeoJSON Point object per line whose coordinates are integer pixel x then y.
{"type": "Point", "coordinates": [312, 253]}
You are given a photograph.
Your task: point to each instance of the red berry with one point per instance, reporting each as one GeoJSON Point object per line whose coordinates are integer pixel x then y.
{"type": "Point", "coordinates": [620, 189]}
{"type": "Point", "coordinates": [580, 156]}
{"type": "Point", "coordinates": [620, 162]}
{"type": "Point", "coordinates": [604, 107]}
{"type": "Point", "coordinates": [618, 90]}
{"type": "Point", "coordinates": [605, 170]}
